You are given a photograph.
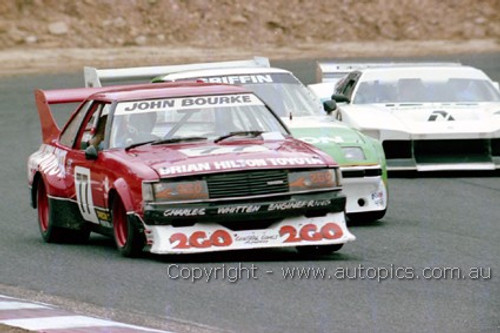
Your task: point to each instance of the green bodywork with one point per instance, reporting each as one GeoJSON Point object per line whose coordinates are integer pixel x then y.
{"type": "Point", "coordinates": [332, 139]}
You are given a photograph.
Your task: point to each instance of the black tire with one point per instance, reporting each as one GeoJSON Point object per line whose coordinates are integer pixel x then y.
{"type": "Point", "coordinates": [129, 241]}
{"type": "Point", "coordinates": [319, 249]}
{"type": "Point", "coordinates": [367, 217]}
{"type": "Point", "coordinates": [49, 232]}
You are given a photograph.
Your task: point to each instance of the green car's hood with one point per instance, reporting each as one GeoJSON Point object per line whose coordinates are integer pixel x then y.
{"type": "Point", "coordinates": [330, 136]}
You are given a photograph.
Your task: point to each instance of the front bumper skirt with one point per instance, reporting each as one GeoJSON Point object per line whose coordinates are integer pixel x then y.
{"type": "Point", "coordinates": [211, 237]}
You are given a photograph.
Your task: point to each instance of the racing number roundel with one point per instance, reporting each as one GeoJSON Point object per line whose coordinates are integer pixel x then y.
{"type": "Point", "coordinates": [84, 194]}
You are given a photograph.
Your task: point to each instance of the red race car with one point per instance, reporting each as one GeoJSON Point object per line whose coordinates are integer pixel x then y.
{"type": "Point", "coordinates": [181, 168]}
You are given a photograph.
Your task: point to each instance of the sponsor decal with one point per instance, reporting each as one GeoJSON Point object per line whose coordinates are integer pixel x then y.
{"type": "Point", "coordinates": [310, 232]}
{"type": "Point", "coordinates": [236, 164]}
{"type": "Point", "coordinates": [256, 239]}
{"type": "Point", "coordinates": [50, 160]}
{"type": "Point", "coordinates": [245, 209]}
{"type": "Point", "coordinates": [239, 79]}
{"type": "Point", "coordinates": [200, 239]}
{"type": "Point", "coordinates": [243, 79]}
{"type": "Point", "coordinates": [103, 215]}
{"type": "Point", "coordinates": [187, 103]}
{"type": "Point", "coordinates": [241, 209]}
{"type": "Point", "coordinates": [217, 150]}
{"type": "Point", "coordinates": [440, 115]}
{"type": "Point", "coordinates": [184, 212]}
{"type": "Point", "coordinates": [298, 204]}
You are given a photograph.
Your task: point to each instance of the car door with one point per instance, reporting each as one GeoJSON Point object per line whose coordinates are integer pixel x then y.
{"type": "Point", "coordinates": [87, 175]}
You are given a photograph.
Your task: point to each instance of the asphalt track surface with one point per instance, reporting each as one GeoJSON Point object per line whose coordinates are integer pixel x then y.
{"type": "Point", "coordinates": [436, 220]}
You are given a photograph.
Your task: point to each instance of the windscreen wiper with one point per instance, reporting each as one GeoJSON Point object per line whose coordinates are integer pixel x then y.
{"type": "Point", "coordinates": [165, 141]}
{"type": "Point", "coordinates": [179, 139]}
{"type": "Point", "coordinates": [137, 144]}
{"type": "Point", "coordinates": [238, 133]}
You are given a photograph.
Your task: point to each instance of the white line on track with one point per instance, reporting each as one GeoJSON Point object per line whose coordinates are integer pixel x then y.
{"type": "Point", "coordinates": [57, 322]}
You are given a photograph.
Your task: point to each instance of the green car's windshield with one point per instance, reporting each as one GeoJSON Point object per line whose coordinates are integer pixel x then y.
{"type": "Point", "coordinates": [282, 92]}
{"type": "Point", "coordinates": [286, 95]}
{"type": "Point", "coordinates": [172, 120]}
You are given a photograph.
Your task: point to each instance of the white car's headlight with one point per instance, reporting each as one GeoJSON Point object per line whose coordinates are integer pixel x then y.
{"type": "Point", "coordinates": [312, 180]}
{"type": "Point", "coordinates": [353, 153]}
{"type": "Point", "coordinates": [174, 191]}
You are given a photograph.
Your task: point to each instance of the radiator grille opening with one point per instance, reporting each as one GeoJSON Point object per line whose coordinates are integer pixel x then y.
{"type": "Point", "coordinates": [452, 151]}
{"type": "Point", "coordinates": [495, 147]}
{"type": "Point", "coordinates": [241, 184]}
{"type": "Point", "coordinates": [397, 149]}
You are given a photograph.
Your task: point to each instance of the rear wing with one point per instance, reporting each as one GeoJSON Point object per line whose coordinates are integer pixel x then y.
{"type": "Point", "coordinates": [333, 72]}
{"type": "Point", "coordinates": [97, 77]}
{"type": "Point", "coordinates": [45, 98]}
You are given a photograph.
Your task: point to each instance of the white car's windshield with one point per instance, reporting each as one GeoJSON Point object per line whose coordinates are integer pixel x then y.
{"type": "Point", "coordinates": [417, 90]}
{"type": "Point", "coordinates": [203, 117]}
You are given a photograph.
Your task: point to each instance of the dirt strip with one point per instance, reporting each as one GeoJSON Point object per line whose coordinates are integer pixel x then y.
{"type": "Point", "coordinates": [25, 61]}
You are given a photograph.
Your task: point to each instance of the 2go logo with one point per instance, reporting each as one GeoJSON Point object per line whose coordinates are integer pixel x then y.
{"type": "Point", "coordinates": [310, 233]}
{"type": "Point", "coordinates": [200, 239]}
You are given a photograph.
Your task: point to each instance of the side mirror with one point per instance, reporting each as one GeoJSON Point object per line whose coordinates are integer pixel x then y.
{"type": "Point", "coordinates": [340, 98]}
{"type": "Point", "coordinates": [91, 153]}
{"type": "Point", "coordinates": [329, 106]}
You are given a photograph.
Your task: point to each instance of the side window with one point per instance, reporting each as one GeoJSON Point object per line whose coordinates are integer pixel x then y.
{"type": "Point", "coordinates": [339, 86]}
{"type": "Point", "coordinates": [348, 84]}
{"type": "Point", "coordinates": [91, 125]}
{"type": "Point", "coordinates": [94, 127]}
{"type": "Point", "coordinates": [349, 87]}
{"type": "Point", "coordinates": [69, 133]}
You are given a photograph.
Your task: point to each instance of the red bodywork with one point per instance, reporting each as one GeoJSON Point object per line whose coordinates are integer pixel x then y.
{"type": "Point", "coordinates": [90, 185]}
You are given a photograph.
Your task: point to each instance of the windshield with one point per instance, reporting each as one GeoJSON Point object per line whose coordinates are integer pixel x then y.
{"type": "Point", "coordinates": [281, 91]}
{"type": "Point", "coordinates": [417, 90]}
{"type": "Point", "coordinates": [203, 117]}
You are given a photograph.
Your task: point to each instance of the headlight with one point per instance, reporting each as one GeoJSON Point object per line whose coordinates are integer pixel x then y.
{"type": "Point", "coordinates": [175, 191]}
{"type": "Point", "coordinates": [353, 153]}
{"type": "Point", "coordinates": [310, 180]}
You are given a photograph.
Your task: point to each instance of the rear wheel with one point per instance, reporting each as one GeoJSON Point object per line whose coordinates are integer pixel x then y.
{"type": "Point", "coordinates": [128, 240]}
{"type": "Point", "coordinates": [319, 249]}
{"type": "Point", "coordinates": [49, 232]}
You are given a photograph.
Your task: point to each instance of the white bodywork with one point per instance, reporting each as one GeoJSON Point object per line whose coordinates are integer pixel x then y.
{"type": "Point", "coordinates": [323, 90]}
{"type": "Point", "coordinates": [466, 130]}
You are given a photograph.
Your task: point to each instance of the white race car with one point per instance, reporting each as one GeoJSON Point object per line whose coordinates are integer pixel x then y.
{"type": "Point", "coordinates": [429, 117]}
{"type": "Point", "coordinates": [360, 157]}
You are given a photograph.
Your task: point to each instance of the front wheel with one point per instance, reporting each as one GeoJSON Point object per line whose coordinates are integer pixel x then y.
{"type": "Point", "coordinates": [129, 240]}
{"type": "Point", "coordinates": [319, 249]}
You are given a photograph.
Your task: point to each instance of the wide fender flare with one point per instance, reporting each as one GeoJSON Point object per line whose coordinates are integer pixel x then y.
{"type": "Point", "coordinates": [123, 190]}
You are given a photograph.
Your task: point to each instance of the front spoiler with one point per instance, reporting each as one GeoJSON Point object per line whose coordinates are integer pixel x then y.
{"type": "Point", "coordinates": [409, 164]}
{"type": "Point", "coordinates": [366, 194]}
{"type": "Point", "coordinates": [210, 237]}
